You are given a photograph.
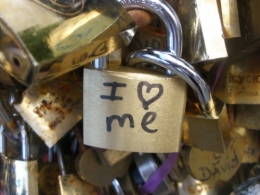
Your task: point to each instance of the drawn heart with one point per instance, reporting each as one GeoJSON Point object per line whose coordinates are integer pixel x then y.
{"type": "Point", "coordinates": [149, 87]}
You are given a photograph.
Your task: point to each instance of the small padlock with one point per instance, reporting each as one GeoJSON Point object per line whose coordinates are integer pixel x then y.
{"type": "Point", "coordinates": [21, 176]}
{"type": "Point", "coordinates": [209, 112]}
{"type": "Point", "coordinates": [210, 167]}
{"type": "Point", "coordinates": [141, 121]}
{"type": "Point", "coordinates": [202, 32]}
{"type": "Point", "coordinates": [62, 38]}
{"type": "Point", "coordinates": [91, 168]}
{"type": "Point", "coordinates": [71, 183]}
{"type": "Point", "coordinates": [52, 109]}
{"type": "Point", "coordinates": [146, 166]}
{"type": "Point", "coordinates": [239, 84]}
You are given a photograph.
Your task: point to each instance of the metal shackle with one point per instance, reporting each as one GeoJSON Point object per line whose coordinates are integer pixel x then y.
{"type": "Point", "coordinates": [167, 15]}
{"type": "Point", "coordinates": [181, 68]}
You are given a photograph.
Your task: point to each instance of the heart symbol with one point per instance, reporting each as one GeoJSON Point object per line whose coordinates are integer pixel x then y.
{"type": "Point", "coordinates": [149, 87]}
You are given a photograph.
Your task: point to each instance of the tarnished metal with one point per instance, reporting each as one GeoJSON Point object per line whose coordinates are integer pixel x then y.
{"type": "Point", "coordinates": [52, 109]}
{"type": "Point", "coordinates": [202, 31]}
{"type": "Point", "coordinates": [38, 49]}
{"type": "Point", "coordinates": [210, 167]}
{"type": "Point", "coordinates": [91, 169]}
{"type": "Point", "coordinates": [247, 116]}
{"type": "Point", "coordinates": [70, 184]}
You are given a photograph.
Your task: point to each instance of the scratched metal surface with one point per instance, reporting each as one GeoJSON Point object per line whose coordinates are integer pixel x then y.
{"type": "Point", "coordinates": [52, 109]}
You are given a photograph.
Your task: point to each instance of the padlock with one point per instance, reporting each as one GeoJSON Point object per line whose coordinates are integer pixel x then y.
{"type": "Point", "coordinates": [48, 175]}
{"type": "Point", "coordinates": [251, 139]}
{"type": "Point", "coordinates": [71, 183]}
{"type": "Point", "coordinates": [202, 32]}
{"type": "Point", "coordinates": [146, 166]}
{"type": "Point", "coordinates": [210, 167]}
{"type": "Point", "coordinates": [52, 109]}
{"type": "Point", "coordinates": [91, 168]}
{"type": "Point", "coordinates": [21, 176]}
{"type": "Point", "coordinates": [238, 84]}
{"type": "Point", "coordinates": [210, 112]}
{"type": "Point", "coordinates": [99, 129]}
{"type": "Point", "coordinates": [62, 38]}
{"type": "Point", "coordinates": [251, 186]}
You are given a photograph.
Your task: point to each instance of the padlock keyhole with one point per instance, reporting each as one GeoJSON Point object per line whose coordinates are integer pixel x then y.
{"type": "Point", "coordinates": [16, 62]}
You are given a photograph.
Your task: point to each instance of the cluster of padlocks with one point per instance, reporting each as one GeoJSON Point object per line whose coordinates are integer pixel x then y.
{"type": "Point", "coordinates": [128, 97]}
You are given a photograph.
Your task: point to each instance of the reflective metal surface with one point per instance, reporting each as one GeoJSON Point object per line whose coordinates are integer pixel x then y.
{"type": "Point", "coordinates": [167, 15]}
{"type": "Point", "coordinates": [52, 109]}
{"type": "Point", "coordinates": [111, 157]}
{"type": "Point", "coordinates": [181, 68]}
{"type": "Point", "coordinates": [202, 31]}
{"type": "Point", "coordinates": [39, 49]}
{"type": "Point", "coordinates": [238, 82]}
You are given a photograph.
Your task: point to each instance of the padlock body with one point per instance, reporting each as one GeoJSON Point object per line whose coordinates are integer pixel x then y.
{"type": "Point", "coordinates": [133, 111]}
{"type": "Point", "coordinates": [38, 49]}
{"type": "Point", "coordinates": [20, 177]}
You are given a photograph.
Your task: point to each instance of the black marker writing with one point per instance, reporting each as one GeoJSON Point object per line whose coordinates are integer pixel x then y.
{"type": "Point", "coordinates": [148, 89]}
{"type": "Point", "coordinates": [146, 122]}
{"type": "Point", "coordinates": [113, 96]}
{"type": "Point", "coordinates": [121, 121]}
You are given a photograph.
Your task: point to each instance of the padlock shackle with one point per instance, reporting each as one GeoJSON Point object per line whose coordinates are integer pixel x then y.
{"type": "Point", "coordinates": [167, 15]}
{"type": "Point", "coordinates": [60, 160]}
{"type": "Point", "coordinates": [25, 147]}
{"type": "Point", "coordinates": [117, 187]}
{"type": "Point", "coordinates": [2, 139]}
{"type": "Point", "coordinates": [181, 68]}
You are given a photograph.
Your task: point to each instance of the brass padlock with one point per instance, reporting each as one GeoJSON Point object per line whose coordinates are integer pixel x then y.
{"type": "Point", "coordinates": [211, 112]}
{"type": "Point", "coordinates": [139, 108]}
{"type": "Point", "coordinates": [202, 32]}
{"type": "Point", "coordinates": [210, 167]}
{"type": "Point", "coordinates": [61, 38]}
{"type": "Point", "coordinates": [238, 84]}
{"type": "Point", "coordinates": [52, 109]}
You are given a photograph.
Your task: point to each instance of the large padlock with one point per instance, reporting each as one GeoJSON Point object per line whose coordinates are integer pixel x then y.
{"type": "Point", "coordinates": [238, 84]}
{"type": "Point", "coordinates": [21, 176]}
{"type": "Point", "coordinates": [202, 32]}
{"type": "Point", "coordinates": [199, 120]}
{"type": "Point", "coordinates": [119, 96]}
{"type": "Point", "coordinates": [61, 38]}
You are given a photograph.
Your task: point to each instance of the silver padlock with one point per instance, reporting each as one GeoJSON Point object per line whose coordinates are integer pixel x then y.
{"type": "Point", "coordinates": [61, 38]}
{"type": "Point", "coordinates": [141, 116]}
{"type": "Point", "coordinates": [21, 176]}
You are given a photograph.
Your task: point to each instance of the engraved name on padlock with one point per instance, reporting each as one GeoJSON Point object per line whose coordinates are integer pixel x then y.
{"type": "Point", "coordinates": [58, 40]}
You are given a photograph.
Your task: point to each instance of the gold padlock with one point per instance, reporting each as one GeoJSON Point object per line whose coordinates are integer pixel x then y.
{"type": "Point", "coordinates": [61, 38]}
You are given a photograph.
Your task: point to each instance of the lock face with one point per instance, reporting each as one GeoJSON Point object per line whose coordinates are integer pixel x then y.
{"type": "Point", "coordinates": [38, 49]}
{"type": "Point", "coordinates": [130, 112]}
{"type": "Point", "coordinates": [52, 109]}
{"type": "Point", "coordinates": [239, 82]}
